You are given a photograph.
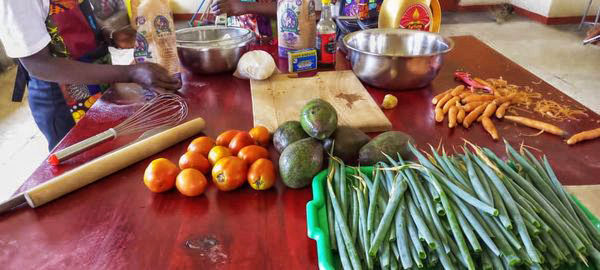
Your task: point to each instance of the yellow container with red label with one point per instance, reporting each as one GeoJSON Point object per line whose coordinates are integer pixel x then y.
{"type": "Point", "coordinates": [424, 15]}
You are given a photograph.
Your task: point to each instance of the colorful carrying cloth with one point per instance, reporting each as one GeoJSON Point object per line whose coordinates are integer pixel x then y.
{"type": "Point", "coordinates": [75, 35]}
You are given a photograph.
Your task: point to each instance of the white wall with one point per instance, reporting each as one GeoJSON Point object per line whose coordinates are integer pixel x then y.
{"type": "Point", "coordinates": [570, 8]}
{"type": "Point", "coordinates": [186, 6]}
{"type": "Point", "coordinates": [547, 8]}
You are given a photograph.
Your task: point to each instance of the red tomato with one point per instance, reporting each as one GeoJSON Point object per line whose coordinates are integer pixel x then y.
{"type": "Point", "coordinates": [160, 175]}
{"type": "Point", "coordinates": [229, 173]}
{"type": "Point", "coordinates": [262, 175]}
{"type": "Point", "coordinates": [260, 135]}
{"type": "Point", "coordinates": [194, 160]}
{"type": "Point", "coordinates": [225, 138]}
{"type": "Point", "coordinates": [239, 141]}
{"type": "Point", "coordinates": [252, 153]}
{"type": "Point", "coordinates": [191, 182]}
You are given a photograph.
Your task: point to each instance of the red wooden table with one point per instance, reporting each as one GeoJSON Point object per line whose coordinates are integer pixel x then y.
{"type": "Point", "coordinates": [116, 223]}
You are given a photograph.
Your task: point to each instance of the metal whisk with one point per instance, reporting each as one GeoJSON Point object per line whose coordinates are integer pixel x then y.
{"type": "Point", "coordinates": [163, 110]}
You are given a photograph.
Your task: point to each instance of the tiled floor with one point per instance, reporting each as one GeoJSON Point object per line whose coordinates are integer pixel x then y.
{"type": "Point", "coordinates": [553, 53]}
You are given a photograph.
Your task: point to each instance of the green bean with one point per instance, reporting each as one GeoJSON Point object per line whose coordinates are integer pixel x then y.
{"type": "Point", "coordinates": [503, 244]}
{"type": "Point", "coordinates": [467, 229]}
{"type": "Point", "coordinates": [477, 224]}
{"type": "Point", "coordinates": [428, 209]}
{"type": "Point", "coordinates": [393, 259]}
{"type": "Point", "coordinates": [397, 192]}
{"type": "Point", "coordinates": [384, 258]}
{"type": "Point", "coordinates": [330, 218]}
{"type": "Point", "coordinates": [539, 244]}
{"type": "Point", "coordinates": [433, 192]}
{"type": "Point", "coordinates": [402, 235]}
{"type": "Point", "coordinates": [531, 229]}
{"type": "Point", "coordinates": [564, 207]}
{"type": "Point", "coordinates": [432, 259]}
{"type": "Point", "coordinates": [439, 161]}
{"type": "Point", "coordinates": [439, 209]}
{"type": "Point", "coordinates": [455, 171]}
{"type": "Point", "coordinates": [486, 184]}
{"type": "Point", "coordinates": [354, 220]}
{"type": "Point", "coordinates": [590, 228]}
{"type": "Point", "coordinates": [584, 222]}
{"type": "Point", "coordinates": [528, 215]}
{"type": "Point", "coordinates": [486, 261]}
{"type": "Point", "coordinates": [551, 245]}
{"type": "Point", "coordinates": [536, 177]}
{"type": "Point", "coordinates": [420, 223]}
{"type": "Point", "coordinates": [508, 234]}
{"type": "Point", "coordinates": [373, 193]}
{"type": "Point", "coordinates": [456, 231]}
{"type": "Point", "coordinates": [341, 173]}
{"type": "Point", "coordinates": [496, 194]}
{"type": "Point", "coordinates": [416, 243]}
{"type": "Point", "coordinates": [512, 208]}
{"type": "Point", "coordinates": [479, 189]}
{"type": "Point", "coordinates": [416, 258]}
{"type": "Point", "coordinates": [465, 195]}
{"type": "Point", "coordinates": [345, 232]}
{"type": "Point", "coordinates": [496, 262]}
{"type": "Point", "coordinates": [342, 249]}
{"type": "Point", "coordinates": [595, 254]}
{"type": "Point", "coordinates": [362, 210]}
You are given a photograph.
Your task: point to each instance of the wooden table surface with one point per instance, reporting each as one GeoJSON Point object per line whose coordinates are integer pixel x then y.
{"type": "Point", "coordinates": [116, 223]}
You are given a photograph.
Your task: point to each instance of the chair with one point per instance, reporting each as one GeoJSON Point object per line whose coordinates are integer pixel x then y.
{"type": "Point", "coordinates": [585, 13]}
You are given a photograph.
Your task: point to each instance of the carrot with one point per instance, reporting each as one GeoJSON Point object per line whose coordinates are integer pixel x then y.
{"type": "Point", "coordinates": [489, 126]}
{"type": "Point", "coordinates": [443, 101]}
{"type": "Point", "coordinates": [484, 82]}
{"type": "Point", "coordinates": [460, 116]}
{"type": "Point", "coordinates": [439, 96]}
{"type": "Point", "coordinates": [472, 98]}
{"type": "Point", "coordinates": [452, 112]}
{"type": "Point", "coordinates": [439, 115]}
{"type": "Point", "coordinates": [450, 103]}
{"type": "Point", "coordinates": [457, 90]}
{"type": "Point", "coordinates": [502, 109]}
{"type": "Point", "coordinates": [536, 124]}
{"type": "Point", "coordinates": [472, 105]}
{"type": "Point", "coordinates": [489, 111]}
{"type": "Point", "coordinates": [504, 99]}
{"type": "Point", "coordinates": [465, 94]}
{"type": "Point", "coordinates": [585, 135]}
{"type": "Point", "coordinates": [473, 115]}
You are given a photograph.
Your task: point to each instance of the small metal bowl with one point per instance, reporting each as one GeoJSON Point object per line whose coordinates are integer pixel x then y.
{"type": "Point", "coordinates": [212, 49]}
{"type": "Point", "coordinates": [396, 59]}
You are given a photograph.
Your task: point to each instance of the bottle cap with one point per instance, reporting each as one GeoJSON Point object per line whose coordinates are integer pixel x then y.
{"type": "Point", "coordinates": [326, 2]}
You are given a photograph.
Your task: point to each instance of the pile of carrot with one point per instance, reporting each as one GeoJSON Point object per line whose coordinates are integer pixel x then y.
{"type": "Point", "coordinates": [464, 106]}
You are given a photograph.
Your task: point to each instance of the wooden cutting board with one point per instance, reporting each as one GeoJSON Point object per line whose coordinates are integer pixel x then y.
{"type": "Point", "coordinates": [281, 97]}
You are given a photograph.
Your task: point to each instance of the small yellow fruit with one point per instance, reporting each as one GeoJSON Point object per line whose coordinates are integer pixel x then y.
{"type": "Point", "coordinates": [389, 102]}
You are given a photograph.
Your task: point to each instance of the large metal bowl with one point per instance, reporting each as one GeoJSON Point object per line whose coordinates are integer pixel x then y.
{"type": "Point", "coordinates": [212, 49]}
{"type": "Point", "coordinates": [396, 59]}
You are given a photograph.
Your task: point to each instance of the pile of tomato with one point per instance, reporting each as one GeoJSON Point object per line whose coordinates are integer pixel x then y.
{"type": "Point", "coordinates": [234, 158]}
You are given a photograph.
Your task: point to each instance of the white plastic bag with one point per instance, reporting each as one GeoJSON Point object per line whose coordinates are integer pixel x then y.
{"type": "Point", "coordinates": [255, 65]}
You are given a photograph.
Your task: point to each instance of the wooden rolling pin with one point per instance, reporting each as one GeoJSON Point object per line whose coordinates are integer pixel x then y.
{"type": "Point", "coordinates": [104, 166]}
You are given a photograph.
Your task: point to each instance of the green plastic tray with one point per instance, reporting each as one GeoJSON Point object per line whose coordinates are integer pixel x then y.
{"type": "Point", "coordinates": [318, 228]}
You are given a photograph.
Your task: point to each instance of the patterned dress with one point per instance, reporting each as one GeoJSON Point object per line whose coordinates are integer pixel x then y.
{"type": "Point", "coordinates": [75, 35]}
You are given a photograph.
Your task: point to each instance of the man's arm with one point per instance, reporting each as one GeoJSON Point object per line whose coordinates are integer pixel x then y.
{"type": "Point", "coordinates": [44, 66]}
{"type": "Point", "coordinates": [237, 7]}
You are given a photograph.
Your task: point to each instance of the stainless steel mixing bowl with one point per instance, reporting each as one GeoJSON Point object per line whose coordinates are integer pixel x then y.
{"type": "Point", "coordinates": [212, 49]}
{"type": "Point", "coordinates": [396, 59]}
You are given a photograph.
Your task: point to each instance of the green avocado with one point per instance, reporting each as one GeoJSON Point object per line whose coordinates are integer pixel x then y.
{"type": "Point", "coordinates": [318, 119]}
{"type": "Point", "coordinates": [348, 141]}
{"type": "Point", "coordinates": [300, 162]}
{"type": "Point", "coordinates": [390, 143]}
{"type": "Point", "coordinates": [287, 133]}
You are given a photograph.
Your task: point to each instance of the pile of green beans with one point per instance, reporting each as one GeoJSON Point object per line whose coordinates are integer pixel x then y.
{"type": "Point", "coordinates": [470, 210]}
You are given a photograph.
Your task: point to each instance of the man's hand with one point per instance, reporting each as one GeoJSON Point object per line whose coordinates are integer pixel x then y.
{"type": "Point", "coordinates": [595, 31]}
{"type": "Point", "coordinates": [229, 7]}
{"type": "Point", "coordinates": [153, 77]}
